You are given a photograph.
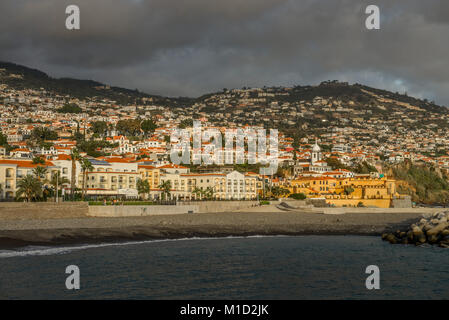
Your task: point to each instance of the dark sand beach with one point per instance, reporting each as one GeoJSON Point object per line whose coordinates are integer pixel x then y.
{"type": "Point", "coordinates": [18, 233]}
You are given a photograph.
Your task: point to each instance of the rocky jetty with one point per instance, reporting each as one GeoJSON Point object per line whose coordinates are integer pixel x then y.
{"type": "Point", "coordinates": [431, 229]}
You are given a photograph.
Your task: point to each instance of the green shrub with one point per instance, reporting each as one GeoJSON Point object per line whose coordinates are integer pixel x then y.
{"type": "Point", "coordinates": [298, 196]}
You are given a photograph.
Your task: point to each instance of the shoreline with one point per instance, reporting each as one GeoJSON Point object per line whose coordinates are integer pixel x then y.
{"type": "Point", "coordinates": [16, 234]}
{"type": "Point", "coordinates": [65, 237]}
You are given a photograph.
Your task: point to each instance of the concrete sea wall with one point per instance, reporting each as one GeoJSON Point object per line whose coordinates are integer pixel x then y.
{"type": "Point", "coordinates": [137, 211]}
{"type": "Point", "coordinates": [224, 206]}
{"type": "Point", "coordinates": [188, 207]}
{"type": "Point", "coordinates": [42, 210]}
{"type": "Point", "coordinates": [51, 210]}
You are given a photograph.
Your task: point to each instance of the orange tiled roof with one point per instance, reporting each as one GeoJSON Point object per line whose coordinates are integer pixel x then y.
{"type": "Point", "coordinates": [26, 163]}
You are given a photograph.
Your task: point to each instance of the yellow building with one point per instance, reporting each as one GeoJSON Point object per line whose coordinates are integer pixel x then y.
{"type": "Point", "coordinates": [109, 180]}
{"type": "Point", "coordinates": [234, 185]}
{"type": "Point", "coordinates": [151, 174]}
{"type": "Point", "coordinates": [11, 171]}
{"type": "Point", "coordinates": [368, 190]}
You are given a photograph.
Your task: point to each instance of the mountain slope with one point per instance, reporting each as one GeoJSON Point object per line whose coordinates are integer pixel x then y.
{"type": "Point", "coordinates": [333, 94]}
{"type": "Point", "coordinates": [21, 77]}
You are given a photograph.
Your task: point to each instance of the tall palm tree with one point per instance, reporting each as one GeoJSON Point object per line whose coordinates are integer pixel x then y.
{"type": "Point", "coordinates": [165, 186]}
{"type": "Point", "coordinates": [30, 187]}
{"type": "Point", "coordinates": [143, 187]}
{"type": "Point", "coordinates": [209, 193]}
{"type": "Point", "coordinates": [86, 166]}
{"type": "Point", "coordinates": [74, 155]}
{"type": "Point", "coordinates": [58, 182]}
{"type": "Point", "coordinates": [40, 172]}
{"type": "Point", "coordinates": [197, 192]}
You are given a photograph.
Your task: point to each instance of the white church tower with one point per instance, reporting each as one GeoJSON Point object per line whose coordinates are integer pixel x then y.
{"type": "Point", "coordinates": [316, 153]}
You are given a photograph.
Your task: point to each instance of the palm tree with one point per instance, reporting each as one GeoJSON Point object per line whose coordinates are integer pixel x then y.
{"type": "Point", "coordinates": [74, 155]}
{"type": "Point", "coordinates": [40, 172]}
{"type": "Point", "coordinates": [209, 193]}
{"type": "Point", "coordinates": [143, 186]}
{"type": "Point", "coordinates": [279, 191]}
{"type": "Point", "coordinates": [30, 187]}
{"type": "Point", "coordinates": [86, 166]}
{"type": "Point", "coordinates": [197, 192]}
{"type": "Point", "coordinates": [57, 182]}
{"type": "Point", "coordinates": [165, 186]}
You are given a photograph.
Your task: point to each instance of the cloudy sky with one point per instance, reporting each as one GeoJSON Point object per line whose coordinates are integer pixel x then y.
{"type": "Point", "coordinates": [191, 47]}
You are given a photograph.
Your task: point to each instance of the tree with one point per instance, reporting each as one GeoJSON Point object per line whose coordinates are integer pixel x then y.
{"type": "Point", "coordinates": [279, 191]}
{"type": "Point", "coordinates": [38, 160]}
{"type": "Point", "coordinates": [209, 193]}
{"type": "Point", "coordinates": [99, 127]}
{"type": "Point", "coordinates": [348, 190]}
{"type": "Point", "coordinates": [40, 172]}
{"type": "Point", "coordinates": [186, 123]}
{"type": "Point", "coordinates": [75, 156]}
{"type": "Point", "coordinates": [58, 182]}
{"type": "Point", "coordinates": [128, 127]}
{"type": "Point", "coordinates": [148, 126]}
{"type": "Point", "coordinates": [143, 186]}
{"type": "Point", "coordinates": [86, 166]}
{"type": "Point", "coordinates": [93, 148]}
{"type": "Point", "coordinates": [165, 186]}
{"type": "Point", "coordinates": [40, 134]}
{"type": "Point", "coordinates": [30, 187]}
{"type": "Point", "coordinates": [364, 168]}
{"type": "Point", "coordinates": [197, 192]}
{"type": "Point", "coordinates": [336, 164]}
{"type": "Point", "coordinates": [70, 108]}
{"type": "Point", "coordinates": [298, 196]}
{"type": "Point", "coordinates": [3, 140]}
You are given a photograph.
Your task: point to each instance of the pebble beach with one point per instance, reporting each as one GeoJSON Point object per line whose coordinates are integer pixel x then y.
{"type": "Point", "coordinates": [18, 233]}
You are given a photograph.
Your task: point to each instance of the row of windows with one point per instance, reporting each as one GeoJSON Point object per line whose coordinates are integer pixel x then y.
{"type": "Point", "coordinates": [113, 187]}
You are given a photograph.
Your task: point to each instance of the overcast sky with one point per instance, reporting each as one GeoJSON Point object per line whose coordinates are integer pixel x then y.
{"type": "Point", "coordinates": [191, 47]}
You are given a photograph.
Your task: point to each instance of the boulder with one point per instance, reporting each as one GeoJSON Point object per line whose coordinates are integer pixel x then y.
{"type": "Point", "coordinates": [416, 231]}
{"type": "Point", "coordinates": [433, 230]}
{"type": "Point", "coordinates": [434, 233]}
{"type": "Point", "coordinates": [442, 219]}
{"type": "Point", "coordinates": [423, 221]}
{"type": "Point", "coordinates": [442, 215]}
{"type": "Point", "coordinates": [445, 233]}
{"type": "Point", "coordinates": [421, 239]}
{"type": "Point", "coordinates": [391, 238]}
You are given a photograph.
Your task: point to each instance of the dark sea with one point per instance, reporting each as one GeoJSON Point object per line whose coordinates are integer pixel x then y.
{"type": "Point", "coordinates": [303, 267]}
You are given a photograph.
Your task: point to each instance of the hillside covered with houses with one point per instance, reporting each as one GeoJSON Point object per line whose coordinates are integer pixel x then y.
{"type": "Point", "coordinates": [349, 144]}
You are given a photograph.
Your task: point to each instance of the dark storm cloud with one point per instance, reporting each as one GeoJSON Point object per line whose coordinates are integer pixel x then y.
{"type": "Point", "coordinates": [195, 46]}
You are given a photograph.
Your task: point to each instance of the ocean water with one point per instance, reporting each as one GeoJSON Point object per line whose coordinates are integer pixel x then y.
{"type": "Point", "coordinates": [303, 267]}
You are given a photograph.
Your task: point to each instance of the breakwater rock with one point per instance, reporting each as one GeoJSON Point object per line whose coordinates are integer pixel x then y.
{"type": "Point", "coordinates": [431, 229]}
